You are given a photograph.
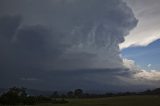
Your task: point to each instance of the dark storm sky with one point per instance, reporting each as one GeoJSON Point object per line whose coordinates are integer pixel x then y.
{"type": "Point", "coordinates": [65, 44]}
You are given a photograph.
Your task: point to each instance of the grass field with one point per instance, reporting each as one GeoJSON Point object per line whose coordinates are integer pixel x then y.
{"type": "Point", "coordinates": [113, 101]}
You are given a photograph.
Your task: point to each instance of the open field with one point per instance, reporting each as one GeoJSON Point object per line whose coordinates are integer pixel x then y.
{"type": "Point", "coordinates": [113, 101]}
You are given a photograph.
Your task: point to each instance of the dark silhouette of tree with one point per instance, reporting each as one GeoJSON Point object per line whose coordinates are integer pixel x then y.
{"type": "Point", "coordinates": [78, 92]}
{"type": "Point", "coordinates": [18, 96]}
{"type": "Point", "coordinates": [55, 95]}
{"type": "Point", "coordinates": [70, 94]}
{"type": "Point", "coordinates": [13, 96]}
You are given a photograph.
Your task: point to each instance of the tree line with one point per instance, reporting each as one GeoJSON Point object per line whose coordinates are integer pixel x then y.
{"type": "Point", "coordinates": [18, 96]}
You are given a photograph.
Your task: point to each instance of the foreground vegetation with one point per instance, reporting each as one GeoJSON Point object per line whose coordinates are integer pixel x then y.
{"type": "Point", "coordinates": [19, 97]}
{"type": "Point", "coordinates": [116, 101]}
{"type": "Point", "coordinates": [111, 101]}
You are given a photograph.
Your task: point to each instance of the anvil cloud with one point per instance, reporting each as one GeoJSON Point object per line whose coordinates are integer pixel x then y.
{"type": "Point", "coordinates": [63, 43]}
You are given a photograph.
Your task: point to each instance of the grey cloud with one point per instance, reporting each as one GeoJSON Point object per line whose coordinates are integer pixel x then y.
{"type": "Point", "coordinates": [8, 27]}
{"type": "Point", "coordinates": [71, 36]}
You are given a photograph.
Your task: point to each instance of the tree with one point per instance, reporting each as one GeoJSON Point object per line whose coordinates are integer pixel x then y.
{"type": "Point", "coordinates": [55, 94]}
{"type": "Point", "coordinates": [78, 92]}
{"type": "Point", "coordinates": [14, 96]}
{"type": "Point", "coordinates": [70, 94]}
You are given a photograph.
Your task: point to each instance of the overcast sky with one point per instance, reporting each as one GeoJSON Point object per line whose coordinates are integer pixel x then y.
{"type": "Point", "coordinates": [68, 44]}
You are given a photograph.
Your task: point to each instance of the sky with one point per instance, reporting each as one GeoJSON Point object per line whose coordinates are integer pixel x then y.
{"type": "Point", "coordinates": [147, 30]}
{"type": "Point", "coordinates": [103, 45]}
{"type": "Point", "coordinates": [142, 44]}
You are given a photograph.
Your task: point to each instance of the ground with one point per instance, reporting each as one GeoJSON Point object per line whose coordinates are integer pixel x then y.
{"type": "Point", "coordinates": [113, 101]}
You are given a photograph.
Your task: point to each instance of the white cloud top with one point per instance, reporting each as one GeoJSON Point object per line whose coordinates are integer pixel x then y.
{"type": "Point", "coordinates": [147, 30]}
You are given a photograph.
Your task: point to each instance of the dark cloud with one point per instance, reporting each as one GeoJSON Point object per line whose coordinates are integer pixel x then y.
{"type": "Point", "coordinates": [63, 43]}
{"type": "Point", "coordinates": [8, 26]}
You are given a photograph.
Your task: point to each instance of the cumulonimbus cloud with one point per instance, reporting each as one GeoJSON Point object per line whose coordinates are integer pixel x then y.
{"type": "Point", "coordinates": [86, 33]}
{"type": "Point", "coordinates": [147, 30]}
{"type": "Point", "coordinates": [141, 76]}
{"type": "Point", "coordinates": [65, 41]}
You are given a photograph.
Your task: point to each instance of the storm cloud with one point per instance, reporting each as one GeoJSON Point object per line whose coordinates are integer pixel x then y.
{"type": "Point", "coordinates": [53, 40]}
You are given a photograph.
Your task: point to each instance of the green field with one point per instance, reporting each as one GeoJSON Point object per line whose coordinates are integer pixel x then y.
{"type": "Point", "coordinates": [113, 101]}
